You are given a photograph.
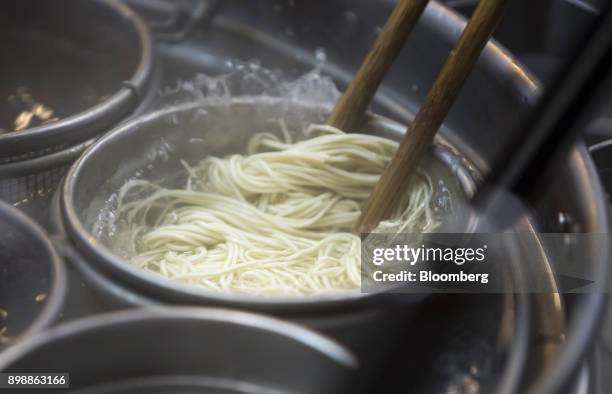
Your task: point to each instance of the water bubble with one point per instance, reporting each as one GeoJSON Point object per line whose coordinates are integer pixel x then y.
{"type": "Point", "coordinates": [252, 79]}
{"type": "Point", "coordinates": [442, 197]}
{"type": "Point", "coordinates": [320, 55]}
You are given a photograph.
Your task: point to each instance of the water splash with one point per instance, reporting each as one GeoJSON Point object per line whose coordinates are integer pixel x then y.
{"type": "Point", "coordinates": [245, 80]}
{"type": "Point", "coordinates": [251, 79]}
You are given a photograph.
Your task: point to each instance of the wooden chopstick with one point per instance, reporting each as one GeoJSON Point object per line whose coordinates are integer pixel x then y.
{"type": "Point", "coordinates": [351, 107]}
{"type": "Point", "coordinates": [419, 136]}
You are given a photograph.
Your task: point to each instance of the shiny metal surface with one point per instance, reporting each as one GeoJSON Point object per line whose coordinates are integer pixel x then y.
{"type": "Point", "coordinates": [135, 47]}
{"type": "Point", "coordinates": [203, 350]}
{"type": "Point", "coordinates": [32, 277]}
{"type": "Point", "coordinates": [90, 62]}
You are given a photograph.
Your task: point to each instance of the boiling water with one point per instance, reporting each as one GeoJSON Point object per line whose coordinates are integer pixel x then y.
{"type": "Point", "coordinates": [304, 101]}
{"type": "Point", "coordinates": [251, 80]}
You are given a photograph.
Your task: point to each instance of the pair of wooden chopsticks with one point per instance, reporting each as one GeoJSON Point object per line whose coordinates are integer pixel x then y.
{"type": "Point", "coordinates": [351, 107]}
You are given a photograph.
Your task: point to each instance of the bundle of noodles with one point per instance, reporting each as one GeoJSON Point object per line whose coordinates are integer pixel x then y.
{"type": "Point", "coordinates": [276, 221]}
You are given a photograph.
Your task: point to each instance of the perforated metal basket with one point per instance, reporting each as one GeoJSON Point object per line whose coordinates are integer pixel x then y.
{"type": "Point", "coordinates": [33, 161]}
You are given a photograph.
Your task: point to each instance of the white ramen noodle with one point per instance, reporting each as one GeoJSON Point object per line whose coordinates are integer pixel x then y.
{"type": "Point", "coordinates": [275, 221]}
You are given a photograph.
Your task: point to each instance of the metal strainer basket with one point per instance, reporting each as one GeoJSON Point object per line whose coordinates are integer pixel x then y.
{"type": "Point", "coordinates": [33, 161]}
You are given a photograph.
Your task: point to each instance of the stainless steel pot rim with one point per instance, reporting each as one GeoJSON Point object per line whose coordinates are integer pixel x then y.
{"type": "Point", "coordinates": [306, 337]}
{"type": "Point", "coordinates": [588, 315]}
{"type": "Point", "coordinates": [93, 114]}
{"type": "Point", "coordinates": [496, 59]}
{"type": "Point", "coordinates": [90, 245]}
{"type": "Point", "coordinates": [57, 291]}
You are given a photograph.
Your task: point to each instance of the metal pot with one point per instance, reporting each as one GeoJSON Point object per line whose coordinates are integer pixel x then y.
{"type": "Point", "coordinates": [32, 277]}
{"type": "Point", "coordinates": [82, 83]}
{"type": "Point", "coordinates": [151, 147]}
{"type": "Point", "coordinates": [154, 146]}
{"type": "Point", "coordinates": [182, 350]}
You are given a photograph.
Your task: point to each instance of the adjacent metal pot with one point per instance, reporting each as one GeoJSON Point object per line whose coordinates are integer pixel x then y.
{"type": "Point", "coordinates": [187, 350]}
{"type": "Point", "coordinates": [32, 277]}
{"type": "Point", "coordinates": [88, 62]}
